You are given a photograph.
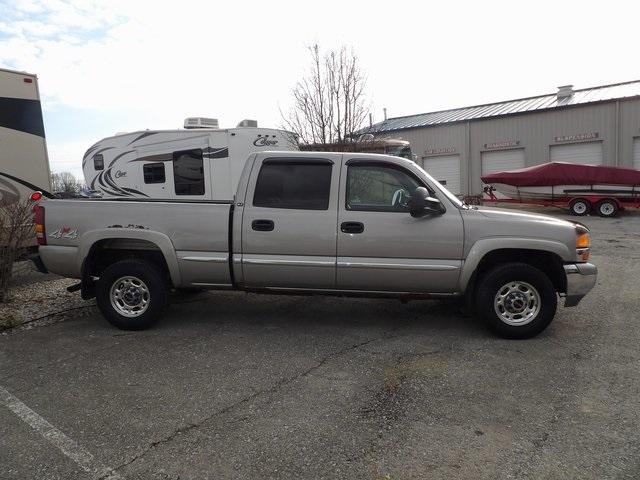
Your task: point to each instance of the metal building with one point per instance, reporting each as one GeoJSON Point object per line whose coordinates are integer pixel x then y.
{"type": "Point", "coordinates": [599, 125]}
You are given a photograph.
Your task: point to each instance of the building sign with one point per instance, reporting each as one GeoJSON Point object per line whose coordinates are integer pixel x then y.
{"type": "Point", "coordinates": [505, 144]}
{"type": "Point", "coordinates": [578, 137]}
{"type": "Point", "coordinates": [439, 151]}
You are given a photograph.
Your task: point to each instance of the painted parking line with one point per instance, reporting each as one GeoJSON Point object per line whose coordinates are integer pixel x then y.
{"type": "Point", "coordinates": [66, 445]}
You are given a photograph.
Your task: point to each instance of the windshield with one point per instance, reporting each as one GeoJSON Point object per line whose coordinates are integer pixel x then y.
{"type": "Point", "coordinates": [403, 151]}
{"type": "Point", "coordinates": [441, 188]}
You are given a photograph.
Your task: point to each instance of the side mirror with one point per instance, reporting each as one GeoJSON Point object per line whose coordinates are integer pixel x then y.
{"type": "Point", "coordinates": [422, 204]}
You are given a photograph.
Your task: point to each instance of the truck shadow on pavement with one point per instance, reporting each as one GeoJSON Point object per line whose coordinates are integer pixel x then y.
{"type": "Point", "coordinates": [318, 312]}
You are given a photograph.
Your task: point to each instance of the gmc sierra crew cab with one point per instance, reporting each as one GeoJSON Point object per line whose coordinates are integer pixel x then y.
{"type": "Point", "coordinates": [319, 222]}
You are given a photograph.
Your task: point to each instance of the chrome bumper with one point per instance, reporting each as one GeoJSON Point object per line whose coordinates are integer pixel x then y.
{"type": "Point", "coordinates": [581, 278]}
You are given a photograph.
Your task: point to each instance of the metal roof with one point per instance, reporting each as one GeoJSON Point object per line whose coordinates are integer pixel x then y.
{"type": "Point", "coordinates": [509, 107]}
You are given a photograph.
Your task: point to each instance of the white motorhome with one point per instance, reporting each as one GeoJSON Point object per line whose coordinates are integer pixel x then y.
{"type": "Point", "coordinates": [24, 164]}
{"type": "Point", "coordinates": [199, 162]}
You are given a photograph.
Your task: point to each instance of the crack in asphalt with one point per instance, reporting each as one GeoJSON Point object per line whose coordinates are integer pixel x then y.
{"type": "Point", "coordinates": [271, 389]}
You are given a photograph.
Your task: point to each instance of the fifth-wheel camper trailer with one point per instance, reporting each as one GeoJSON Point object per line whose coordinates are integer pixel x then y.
{"type": "Point", "coordinates": [24, 165]}
{"type": "Point", "coordinates": [199, 162]}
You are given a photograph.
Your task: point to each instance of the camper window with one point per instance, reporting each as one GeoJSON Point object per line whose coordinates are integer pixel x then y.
{"type": "Point", "coordinates": [154, 172]}
{"type": "Point", "coordinates": [98, 162]}
{"type": "Point", "coordinates": [188, 172]}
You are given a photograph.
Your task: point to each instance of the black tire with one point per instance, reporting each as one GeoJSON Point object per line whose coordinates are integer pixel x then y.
{"type": "Point", "coordinates": [607, 208]}
{"type": "Point", "coordinates": [579, 207]}
{"type": "Point", "coordinates": [522, 274]}
{"type": "Point", "coordinates": [148, 277]}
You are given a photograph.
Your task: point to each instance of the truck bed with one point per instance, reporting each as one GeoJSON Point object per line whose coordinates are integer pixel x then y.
{"type": "Point", "coordinates": [195, 234]}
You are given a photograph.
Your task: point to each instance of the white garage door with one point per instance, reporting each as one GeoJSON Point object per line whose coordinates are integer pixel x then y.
{"type": "Point", "coordinates": [588, 153]}
{"type": "Point", "coordinates": [502, 160]}
{"type": "Point", "coordinates": [445, 169]}
{"type": "Point", "coordinates": [636, 153]}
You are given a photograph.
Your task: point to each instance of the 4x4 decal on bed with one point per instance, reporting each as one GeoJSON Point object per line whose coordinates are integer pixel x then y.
{"type": "Point", "coordinates": [65, 232]}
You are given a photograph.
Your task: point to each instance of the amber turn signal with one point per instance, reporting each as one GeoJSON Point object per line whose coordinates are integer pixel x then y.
{"type": "Point", "coordinates": [583, 240]}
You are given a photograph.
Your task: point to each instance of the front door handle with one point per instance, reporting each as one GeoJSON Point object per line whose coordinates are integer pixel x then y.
{"type": "Point", "coordinates": [352, 227]}
{"type": "Point", "coordinates": [262, 225]}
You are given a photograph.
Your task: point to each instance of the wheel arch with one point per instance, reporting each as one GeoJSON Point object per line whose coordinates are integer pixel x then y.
{"type": "Point", "coordinates": [101, 248]}
{"type": "Point", "coordinates": [547, 256]}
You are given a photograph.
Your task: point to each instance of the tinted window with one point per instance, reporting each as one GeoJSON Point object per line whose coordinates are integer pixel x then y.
{"type": "Point", "coordinates": [98, 162]}
{"type": "Point", "coordinates": [379, 188]}
{"type": "Point", "coordinates": [297, 186]}
{"type": "Point", "coordinates": [153, 173]}
{"type": "Point", "coordinates": [188, 172]}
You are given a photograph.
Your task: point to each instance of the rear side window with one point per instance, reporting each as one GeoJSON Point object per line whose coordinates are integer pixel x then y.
{"type": "Point", "coordinates": [188, 172]}
{"type": "Point", "coordinates": [303, 186]}
{"type": "Point", "coordinates": [153, 173]}
{"type": "Point", "coordinates": [98, 162]}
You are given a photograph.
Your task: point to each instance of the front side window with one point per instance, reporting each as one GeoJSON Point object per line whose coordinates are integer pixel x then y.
{"type": "Point", "coordinates": [188, 172]}
{"type": "Point", "coordinates": [98, 162]}
{"type": "Point", "coordinates": [154, 172]}
{"type": "Point", "coordinates": [379, 188]}
{"type": "Point", "coordinates": [304, 186]}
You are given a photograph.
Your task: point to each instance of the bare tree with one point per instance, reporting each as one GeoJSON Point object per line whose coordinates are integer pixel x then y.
{"type": "Point", "coordinates": [65, 182]}
{"type": "Point", "coordinates": [329, 103]}
{"type": "Point", "coordinates": [16, 234]}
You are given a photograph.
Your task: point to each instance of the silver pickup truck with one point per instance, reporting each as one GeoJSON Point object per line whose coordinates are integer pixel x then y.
{"type": "Point", "coordinates": [308, 223]}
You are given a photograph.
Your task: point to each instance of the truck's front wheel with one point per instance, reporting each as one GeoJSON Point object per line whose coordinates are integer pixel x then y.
{"type": "Point", "coordinates": [131, 294]}
{"type": "Point", "coordinates": [516, 300]}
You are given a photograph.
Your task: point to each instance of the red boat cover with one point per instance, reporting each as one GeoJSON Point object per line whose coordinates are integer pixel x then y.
{"type": "Point", "coordinates": [561, 173]}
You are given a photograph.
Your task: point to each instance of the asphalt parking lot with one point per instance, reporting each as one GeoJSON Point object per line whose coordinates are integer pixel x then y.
{"type": "Point", "coordinates": [240, 386]}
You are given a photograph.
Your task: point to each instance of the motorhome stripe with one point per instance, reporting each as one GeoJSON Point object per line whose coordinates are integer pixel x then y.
{"type": "Point", "coordinates": [141, 136]}
{"type": "Point", "coordinates": [22, 114]}
{"type": "Point", "coordinates": [29, 185]}
{"type": "Point", "coordinates": [105, 188]}
{"type": "Point", "coordinates": [161, 157]}
{"type": "Point", "coordinates": [112, 183]}
{"type": "Point", "coordinates": [133, 190]}
{"type": "Point", "coordinates": [222, 152]}
{"type": "Point", "coordinates": [84, 161]}
{"type": "Point", "coordinates": [119, 156]}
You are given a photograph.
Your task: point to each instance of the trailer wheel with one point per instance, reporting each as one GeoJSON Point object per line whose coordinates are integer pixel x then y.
{"type": "Point", "coordinates": [607, 208]}
{"type": "Point", "coordinates": [132, 294]}
{"type": "Point", "coordinates": [579, 207]}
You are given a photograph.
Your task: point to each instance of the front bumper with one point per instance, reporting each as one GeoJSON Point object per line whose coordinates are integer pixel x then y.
{"type": "Point", "coordinates": [581, 278]}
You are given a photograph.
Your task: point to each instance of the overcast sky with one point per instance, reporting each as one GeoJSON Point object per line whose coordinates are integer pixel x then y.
{"type": "Point", "coordinates": [125, 65]}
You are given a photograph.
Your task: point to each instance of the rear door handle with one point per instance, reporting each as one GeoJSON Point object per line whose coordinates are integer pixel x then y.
{"type": "Point", "coordinates": [262, 225]}
{"type": "Point", "coordinates": [352, 227]}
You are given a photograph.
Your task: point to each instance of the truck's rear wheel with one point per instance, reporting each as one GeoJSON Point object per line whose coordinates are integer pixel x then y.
{"type": "Point", "coordinates": [607, 208]}
{"type": "Point", "coordinates": [579, 207]}
{"type": "Point", "coordinates": [131, 294]}
{"type": "Point", "coordinates": [516, 300]}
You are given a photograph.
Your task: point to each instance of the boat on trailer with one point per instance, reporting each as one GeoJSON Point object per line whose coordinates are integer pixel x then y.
{"type": "Point", "coordinates": [581, 188]}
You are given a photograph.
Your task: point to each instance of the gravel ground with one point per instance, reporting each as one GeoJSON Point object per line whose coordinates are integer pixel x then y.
{"type": "Point", "coordinates": [237, 386]}
{"type": "Point", "coordinates": [34, 296]}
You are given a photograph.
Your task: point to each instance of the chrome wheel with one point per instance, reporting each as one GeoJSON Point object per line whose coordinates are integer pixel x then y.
{"type": "Point", "coordinates": [580, 208]}
{"type": "Point", "coordinates": [517, 303]}
{"type": "Point", "coordinates": [607, 209]}
{"type": "Point", "coordinates": [129, 296]}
